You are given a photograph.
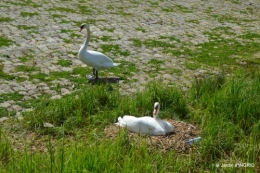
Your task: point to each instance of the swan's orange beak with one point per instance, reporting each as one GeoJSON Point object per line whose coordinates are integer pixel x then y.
{"type": "Point", "coordinates": [80, 29]}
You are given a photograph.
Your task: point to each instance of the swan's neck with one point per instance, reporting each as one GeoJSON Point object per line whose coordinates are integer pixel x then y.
{"type": "Point", "coordinates": [155, 115]}
{"type": "Point", "coordinates": [157, 119]}
{"type": "Point", "coordinates": [87, 39]}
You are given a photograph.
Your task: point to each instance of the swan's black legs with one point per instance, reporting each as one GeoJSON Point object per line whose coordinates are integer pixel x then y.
{"type": "Point", "coordinates": [96, 74]}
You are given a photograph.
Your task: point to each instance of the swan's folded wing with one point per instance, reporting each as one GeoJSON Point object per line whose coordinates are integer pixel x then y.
{"type": "Point", "coordinates": [99, 57]}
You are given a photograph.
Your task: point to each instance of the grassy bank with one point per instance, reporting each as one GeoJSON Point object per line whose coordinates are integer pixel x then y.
{"type": "Point", "coordinates": [225, 109]}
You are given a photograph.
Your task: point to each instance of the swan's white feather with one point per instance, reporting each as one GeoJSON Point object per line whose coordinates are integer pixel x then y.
{"type": "Point", "coordinates": [95, 59]}
{"type": "Point", "coordinates": [145, 125]}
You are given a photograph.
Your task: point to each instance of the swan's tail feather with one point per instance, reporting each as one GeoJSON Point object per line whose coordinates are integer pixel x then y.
{"type": "Point", "coordinates": [121, 122]}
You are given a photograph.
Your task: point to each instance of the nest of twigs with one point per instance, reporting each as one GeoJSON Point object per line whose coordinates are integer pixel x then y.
{"type": "Point", "coordinates": [177, 140]}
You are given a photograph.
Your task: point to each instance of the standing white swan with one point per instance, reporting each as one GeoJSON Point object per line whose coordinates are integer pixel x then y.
{"type": "Point", "coordinates": [94, 59]}
{"type": "Point", "coordinates": [146, 125]}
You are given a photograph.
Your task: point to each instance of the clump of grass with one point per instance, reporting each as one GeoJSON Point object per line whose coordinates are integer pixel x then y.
{"type": "Point", "coordinates": [250, 36]}
{"type": "Point", "coordinates": [66, 31]}
{"type": "Point", "coordinates": [108, 29]}
{"type": "Point", "coordinates": [40, 76]}
{"type": "Point", "coordinates": [193, 21]}
{"type": "Point", "coordinates": [25, 68]}
{"type": "Point", "coordinates": [3, 75]}
{"type": "Point", "coordinates": [180, 8]}
{"type": "Point", "coordinates": [28, 14]}
{"type": "Point", "coordinates": [114, 49]}
{"type": "Point", "coordinates": [5, 41]}
{"type": "Point", "coordinates": [140, 29]}
{"type": "Point", "coordinates": [4, 112]}
{"type": "Point", "coordinates": [5, 149]}
{"type": "Point", "coordinates": [154, 3]}
{"type": "Point", "coordinates": [64, 21]}
{"type": "Point", "coordinates": [235, 100]}
{"type": "Point", "coordinates": [5, 19]}
{"type": "Point", "coordinates": [84, 10]}
{"type": "Point", "coordinates": [155, 61]}
{"type": "Point", "coordinates": [68, 41]}
{"type": "Point", "coordinates": [10, 96]}
{"type": "Point", "coordinates": [63, 9]}
{"type": "Point", "coordinates": [25, 27]}
{"type": "Point", "coordinates": [166, 42]}
{"type": "Point", "coordinates": [106, 38]}
{"type": "Point", "coordinates": [57, 15]}
{"type": "Point", "coordinates": [223, 29]}
{"type": "Point", "coordinates": [26, 58]}
{"type": "Point", "coordinates": [192, 66]}
{"type": "Point", "coordinates": [124, 70]}
{"type": "Point", "coordinates": [64, 62]}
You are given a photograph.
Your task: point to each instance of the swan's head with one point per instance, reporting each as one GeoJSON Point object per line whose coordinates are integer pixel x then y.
{"type": "Point", "coordinates": [156, 108]}
{"type": "Point", "coordinates": [82, 27]}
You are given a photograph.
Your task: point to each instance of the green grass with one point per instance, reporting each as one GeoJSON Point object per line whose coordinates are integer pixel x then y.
{"type": "Point", "coordinates": [220, 51]}
{"type": "Point", "coordinates": [10, 96]}
{"type": "Point", "coordinates": [140, 29]}
{"type": "Point", "coordinates": [40, 76]}
{"type": "Point", "coordinates": [155, 62]}
{"type": "Point", "coordinates": [193, 21]}
{"type": "Point", "coordinates": [225, 108]}
{"type": "Point", "coordinates": [124, 70]}
{"type": "Point", "coordinates": [64, 62]}
{"type": "Point", "coordinates": [57, 15]}
{"type": "Point", "coordinates": [226, 111]}
{"type": "Point", "coordinates": [106, 38]}
{"type": "Point", "coordinates": [64, 21]}
{"type": "Point", "coordinates": [90, 21]}
{"type": "Point", "coordinates": [63, 9]}
{"type": "Point", "coordinates": [83, 9]}
{"type": "Point", "coordinates": [25, 68]}
{"type": "Point", "coordinates": [192, 66]}
{"type": "Point", "coordinates": [175, 8]}
{"type": "Point", "coordinates": [26, 58]}
{"type": "Point", "coordinates": [5, 19]}
{"type": "Point", "coordinates": [114, 49]}
{"type": "Point", "coordinates": [3, 75]}
{"type": "Point", "coordinates": [5, 41]}
{"type": "Point", "coordinates": [25, 27]}
{"type": "Point", "coordinates": [250, 36]}
{"type": "Point", "coordinates": [107, 29]}
{"type": "Point", "coordinates": [165, 42]}
{"type": "Point", "coordinates": [6, 113]}
{"type": "Point", "coordinates": [68, 41]}
{"type": "Point", "coordinates": [28, 14]}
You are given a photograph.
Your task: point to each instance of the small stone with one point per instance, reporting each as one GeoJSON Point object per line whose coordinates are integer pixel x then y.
{"type": "Point", "coordinates": [5, 104]}
{"type": "Point", "coordinates": [56, 97]}
{"type": "Point", "coordinates": [17, 108]}
{"type": "Point", "coordinates": [64, 91]}
{"type": "Point", "coordinates": [48, 125]}
{"type": "Point", "coordinates": [2, 119]}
